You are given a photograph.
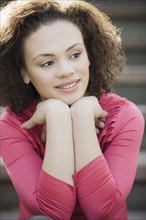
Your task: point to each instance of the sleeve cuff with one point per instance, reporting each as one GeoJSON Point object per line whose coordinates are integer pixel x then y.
{"type": "Point", "coordinates": [91, 177]}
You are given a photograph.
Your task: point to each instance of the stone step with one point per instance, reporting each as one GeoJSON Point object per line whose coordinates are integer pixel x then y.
{"type": "Point", "coordinates": [141, 168]}
{"type": "Point", "coordinates": [8, 214]}
{"type": "Point", "coordinates": [122, 9]}
{"type": "Point", "coordinates": [135, 93]}
{"type": "Point", "coordinates": [135, 58]}
{"type": "Point", "coordinates": [136, 215]}
{"type": "Point", "coordinates": [132, 34]}
{"type": "Point", "coordinates": [134, 75]}
{"type": "Point", "coordinates": [142, 108]}
{"type": "Point", "coordinates": [132, 215]}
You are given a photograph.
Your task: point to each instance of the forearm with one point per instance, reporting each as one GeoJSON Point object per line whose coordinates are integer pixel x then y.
{"type": "Point", "coordinates": [85, 139]}
{"type": "Point", "coordinates": [59, 154]}
{"type": "Point", "coordinates": [55, 193]}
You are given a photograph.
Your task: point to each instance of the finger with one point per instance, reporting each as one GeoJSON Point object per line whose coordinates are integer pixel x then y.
{"type": "Point", "coordinates": [103, 119]}
{"type": "Point", "coordinates": [97, 131]}
{"type": "Point", "coordinates": [99, 124]}
{"type": "Point", "coordinates": [104, 114]}
{"type": "Point", "coordinates": [29, 124]}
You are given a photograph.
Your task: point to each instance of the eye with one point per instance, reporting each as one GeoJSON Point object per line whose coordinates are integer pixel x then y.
{"type": "Point", "coordinates": [75, 55]}
{"type": "Point", "coordinates": [48, 63]}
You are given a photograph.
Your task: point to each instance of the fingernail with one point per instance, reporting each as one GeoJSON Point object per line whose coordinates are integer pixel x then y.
{"type": "Point", "coordinates": [97, 130]}
{"type": "Point", "coordinates": [23, 126]}
{"type": "Point", "coordinates": [102, 124]}
{"type": "Point", "coordinates": [106, 113]}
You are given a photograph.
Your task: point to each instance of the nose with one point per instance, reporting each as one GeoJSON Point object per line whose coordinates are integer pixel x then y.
{"type": "Point", "coordinates": [65, 68]}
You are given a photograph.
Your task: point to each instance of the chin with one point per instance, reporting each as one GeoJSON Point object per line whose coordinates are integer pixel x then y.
{"type": "Point", "coordinates": [72, 101]}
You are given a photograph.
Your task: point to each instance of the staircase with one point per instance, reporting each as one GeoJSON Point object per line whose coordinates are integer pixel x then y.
{"type": "Point", "coordinates": [130, 16]}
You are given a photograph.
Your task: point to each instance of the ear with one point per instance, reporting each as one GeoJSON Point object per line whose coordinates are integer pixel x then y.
{"type": "Point", "coordinates": [25, 76]}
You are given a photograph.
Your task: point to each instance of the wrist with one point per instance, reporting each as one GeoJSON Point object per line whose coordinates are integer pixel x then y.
{"type": "Point", "coordinates": [55, 108]}
{"type": "Point", "coordinates": [82, 114]}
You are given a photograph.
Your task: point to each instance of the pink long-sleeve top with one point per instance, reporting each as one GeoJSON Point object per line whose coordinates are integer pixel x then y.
{"type": "Point", "coordinates": [101, 187]}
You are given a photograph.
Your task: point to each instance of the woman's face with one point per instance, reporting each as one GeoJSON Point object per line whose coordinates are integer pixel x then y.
{"type": "Point", "coordinates": [56, 62]}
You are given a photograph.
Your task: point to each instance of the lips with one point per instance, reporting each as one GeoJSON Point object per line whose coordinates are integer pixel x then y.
{"type": "Point", "coordinates": [67, 85]}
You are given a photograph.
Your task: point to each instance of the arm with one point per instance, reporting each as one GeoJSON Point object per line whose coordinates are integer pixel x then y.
{"type": "Point", "coordinates": [84, 112]}
{"type": "Point", "coordinates": [59, 154]}
{"type": "Point", "coordinates": [104, 183]}
{"type": "Point", "coordinates": [42, 191]}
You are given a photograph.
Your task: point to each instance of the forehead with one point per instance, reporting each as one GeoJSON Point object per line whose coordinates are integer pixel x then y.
{"type": "Point", "coordinates": [55, 35]}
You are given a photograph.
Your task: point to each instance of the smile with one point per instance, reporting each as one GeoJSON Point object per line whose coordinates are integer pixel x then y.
{"type": "Point", "coordinates": [68, 86]}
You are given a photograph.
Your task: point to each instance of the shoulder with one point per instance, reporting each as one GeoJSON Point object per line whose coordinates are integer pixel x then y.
{"type": "Point", "coordinates": [120, 106]}
{"type": "Point", "coordinates": [8, 117]}
{"type": "Point", "coordinates": [10, 125]}
{"type": "Point", "coordinates": [112, 100]}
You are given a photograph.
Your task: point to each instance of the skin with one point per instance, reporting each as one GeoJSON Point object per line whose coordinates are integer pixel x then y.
{"type": "Point", "coordinates": [66, 62]}
{"type": "Point", "coordinates": [59, 70]}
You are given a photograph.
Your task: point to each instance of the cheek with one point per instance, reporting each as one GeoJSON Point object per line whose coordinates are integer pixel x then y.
{"type": "Point", "coordinates": [43, 85]}
{"type": "Point", "coordinates": [86, 72]}
{"type": "Point", "coordinates": [85, 65]}
{"type": "Point", "coordinates": [41, 79]}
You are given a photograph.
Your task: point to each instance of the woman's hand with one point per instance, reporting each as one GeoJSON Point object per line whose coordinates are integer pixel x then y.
{"type": "Point", "coordinates": [37, 118]}
{"type": "Point", "coordinates": [99, 124]}
{"type": "Point", "coordinates": [89, 105]}
{"type": "Point", "coordinates": [42, 110]}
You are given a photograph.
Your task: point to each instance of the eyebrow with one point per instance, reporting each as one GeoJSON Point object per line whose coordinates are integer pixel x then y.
{"type": "Point", "coordinates": [50, 54]}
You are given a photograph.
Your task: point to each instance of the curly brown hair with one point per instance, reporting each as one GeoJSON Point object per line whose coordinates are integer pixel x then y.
{"type": "Point", "coordinates": [21, 18]}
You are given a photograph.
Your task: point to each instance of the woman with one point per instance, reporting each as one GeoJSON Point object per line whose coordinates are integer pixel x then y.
{"type": "Point", "coordinates": [69, 144]}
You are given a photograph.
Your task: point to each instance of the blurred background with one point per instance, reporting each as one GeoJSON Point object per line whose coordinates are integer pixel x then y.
{"type": "Point", "coordinates": [129, 16]}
